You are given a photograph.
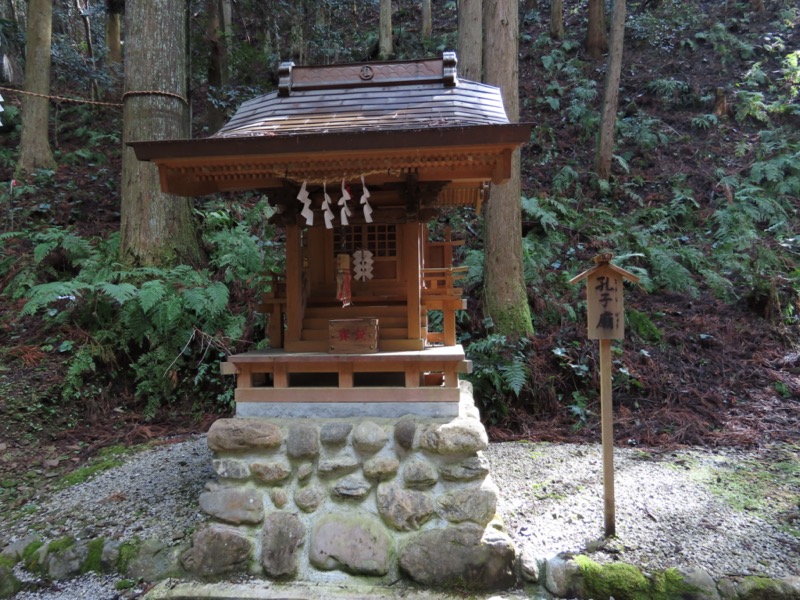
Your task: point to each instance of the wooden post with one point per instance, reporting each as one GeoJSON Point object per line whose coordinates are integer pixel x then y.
{"type": "Point", "coordinates": [605, 316]}
{"type": "Point", "coordinates": [607, 437]}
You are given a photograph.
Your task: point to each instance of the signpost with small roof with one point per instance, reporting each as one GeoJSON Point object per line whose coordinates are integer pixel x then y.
{"type": "Point", "coordinates": [605, 316]}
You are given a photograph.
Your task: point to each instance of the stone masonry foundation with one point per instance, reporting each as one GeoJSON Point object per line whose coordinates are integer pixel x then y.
{"type": "Point", "coordinates": [332, 499]}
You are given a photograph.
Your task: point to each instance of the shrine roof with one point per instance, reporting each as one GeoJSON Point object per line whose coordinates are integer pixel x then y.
{"type": "Point", "coordinates": [363, 97]}
{"type": "Point", "coordinates": [387, 121]}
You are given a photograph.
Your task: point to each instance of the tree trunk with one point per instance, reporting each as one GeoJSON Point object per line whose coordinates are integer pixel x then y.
{"type": "Point", "coordinates": [470, 39]}
{"type": "Point", "coordinates": [218, 72]}
{"type": "Point", "coordinates": [506, 298]}
{"type": "Point", "coordinates": [114, 10]}
{"type": "Point", "coordinates": [596, 39]}
{"type": "Point", "coordinates": [557, 19]}
{"type": "Point", "coordinates": [80, 7]}
{"type": "Point", "coordinates": [427, 20]}
{"type": "Point", "coordinates": [385, 45]}
{"type": "Point", "coordinates": [156, 228]}
{"type": "Point", "coordinates": [34, 149]}
{"type": "Point", "coordinates": [605, 145]}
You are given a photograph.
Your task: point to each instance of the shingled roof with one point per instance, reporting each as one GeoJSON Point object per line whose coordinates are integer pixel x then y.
{"type": "Point", "coordinates": [387, 121]}
{"type": "Point", "coordinates": [355, 98]}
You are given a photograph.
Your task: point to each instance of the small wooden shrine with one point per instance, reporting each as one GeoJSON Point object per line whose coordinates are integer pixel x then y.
{"type": "Point", "coordinates": [357, 159]}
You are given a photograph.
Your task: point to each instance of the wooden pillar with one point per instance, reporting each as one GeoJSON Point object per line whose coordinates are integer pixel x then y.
{"type": "Point", "coordinates": [413, 259]}
{"type": "Point", "coordinates": [295, 302]}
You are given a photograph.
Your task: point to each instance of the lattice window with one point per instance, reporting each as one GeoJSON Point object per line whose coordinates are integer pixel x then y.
{"type": "Point", "coordinates": [381, 240]}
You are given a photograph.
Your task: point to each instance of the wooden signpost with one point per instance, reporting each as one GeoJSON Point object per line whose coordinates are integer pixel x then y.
{"type": "Point", "coordinates": [606, 322]}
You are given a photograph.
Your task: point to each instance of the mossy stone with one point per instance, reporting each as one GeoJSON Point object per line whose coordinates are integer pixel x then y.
{"type": "Point", "coordinates": [9, 585]}
{"type": "Point", "coordinates": [127, 552]}
{"type": "Point", "coordinates": [759, 588]}
{"type": "Point", "coordinates": [623, 581]}
{"type": "Point", "coordinates": [94, 557]}
{"type": "Point", "coordinates": [620, 580]}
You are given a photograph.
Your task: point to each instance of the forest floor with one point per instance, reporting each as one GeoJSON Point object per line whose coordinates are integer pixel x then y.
{"type": "Point", "coordinates": [721, 374]}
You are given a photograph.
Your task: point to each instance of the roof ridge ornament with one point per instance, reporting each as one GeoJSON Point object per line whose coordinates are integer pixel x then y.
{"type": "Point", "coordinates": [449, 69]}
{"type": "Point", "coordinates": [285, 78]}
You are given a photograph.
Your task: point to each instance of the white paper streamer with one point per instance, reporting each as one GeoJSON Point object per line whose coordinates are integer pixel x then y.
{"type": "Point", "coordinates": [326, 206]}
{"type": "Point", "coordinates": [365, 202]}
{"type": "Point", "coordinates": [345, 212]}
{"type": "Point", "coordinates": [306, 212]}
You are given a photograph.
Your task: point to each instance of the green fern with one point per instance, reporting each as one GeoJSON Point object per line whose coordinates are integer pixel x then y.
{"type": "Point", "coordinates": [151, 293]}
{"type": "Point", "coordinates": [533, 209]}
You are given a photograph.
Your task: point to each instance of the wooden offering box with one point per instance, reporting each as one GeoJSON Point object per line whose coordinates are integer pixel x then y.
{"type": "Point", "coordinates": [353, 336]}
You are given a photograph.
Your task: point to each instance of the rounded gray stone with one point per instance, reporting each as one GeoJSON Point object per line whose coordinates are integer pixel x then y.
{"type": "Point", "coordinates": [271, 472]}
{"type": "Point", "coordinates": [243, 434]}
{"type": "Point", "coordinates": [234, 505]}
{"type": "Point", "coordinates": [369, 437]}
{"type": "Point", "coordinates": [309, 498]}
{"type": "Point", "coordinates": [404, 431]}
{"type": "Point", "coordinates": [419, 473]}
{"type": "Point", "coordinates": [403, 510]}
{"type": "Point", "coordinates": [357, 544]}
{"type": "Point", "coordinates": [352, 487]}
{"type": "Point", "coordinates": [461, 436]}
{"type": "Point", "coordinates": [305, 471]}
{"type": "Point", "coordinates": [529, 566]}
{"type": "Point", "coordinates": [465, 556]}
{"type": "Point", "coordinates": [562, 576]}
{"type": "Point", "coordinates": [66, 563]}
{"type": "Point", "coordinates": [229, 468]}
{"type": "Point", "coordinates": [279, 497]}
{"type": "Point", "coordinates": [470, 469]}
{"type": "Point", "coordinates": [335, 433]}
{"type": "Point", "coordinates": [705, 588]}
{"type": "Point", "coordinates": [475, 504]}
{"type": "Point", "coordinates": [217, 550]}
{"type": "Point", "coordinates": [302, 441]}
{"type": "Point", "coordinates": [381, 468]}
{"type": "Point", "coordinates": [282, 536]}
{"type": "Point", "coordinates": [155, 560]}
{"type": "Point", "coordinates": [336, 467]}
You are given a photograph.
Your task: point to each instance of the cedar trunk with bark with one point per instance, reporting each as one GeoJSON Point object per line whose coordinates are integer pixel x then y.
{"type": "Point", "coordinates": [470, 39]}
{"type": "Point", "coordinates": [385, 44]}
{"type": "Point", "coordinates": [506, 298]}
{"type": "Point", "coordinates": [34, 148]}
{"type": "Point", "coordinates": [427, 20]}
{"type": "Point", "coordinates": [156, 228]}
{"type": "Point", "coordinates": [605, 144]}
{"type": "Point", "coordinates": [219, 32]}
{"type": "Point", "coordinates": [596, 38]}
{"type": "Point", "coordinates": [114, 10]}
{"type": "Point", "coordinates": [557, 19]}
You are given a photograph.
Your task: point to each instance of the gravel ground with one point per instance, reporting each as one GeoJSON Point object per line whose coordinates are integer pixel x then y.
{"type": "Point", "coordinates": [667, 514]}
{"type": "Point", "coordinates": [551, 501]}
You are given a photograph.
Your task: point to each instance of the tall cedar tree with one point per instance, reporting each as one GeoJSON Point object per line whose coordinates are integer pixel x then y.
{"type": "Point", "coordinates": [114, 10]}
{"type": "Point", "coordinates": [470, 39]}
{"type": "Point", "coordinates": [605, 143]}
{"type": "Point", "coordinates": [596, 38]}
{"type": "Point", "coordinates": [156, 228]}
{"type": "Point", "coordinates": [34, 149]}
{"type": "Point", "coordinates": [385, 44]}
{"type": "Point", "coordinates": [506, 298]}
